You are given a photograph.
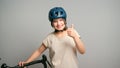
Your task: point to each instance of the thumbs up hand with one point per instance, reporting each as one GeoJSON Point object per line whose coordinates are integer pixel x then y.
{"type": "Point", "coordinates": [71, 32]}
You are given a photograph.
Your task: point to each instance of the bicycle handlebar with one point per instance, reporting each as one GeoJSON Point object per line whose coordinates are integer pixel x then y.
{"type": "Point", "coordinates": [43, 61]}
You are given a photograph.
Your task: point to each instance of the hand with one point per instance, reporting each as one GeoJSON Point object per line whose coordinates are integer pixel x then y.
{"type": "Point", "coordinates": [22, 63]}
{"type": "Point", "coordinates": [71, 32]}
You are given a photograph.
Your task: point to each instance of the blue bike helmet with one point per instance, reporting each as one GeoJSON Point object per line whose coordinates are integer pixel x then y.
{"type": "Point", "coordinates": [57, 12]}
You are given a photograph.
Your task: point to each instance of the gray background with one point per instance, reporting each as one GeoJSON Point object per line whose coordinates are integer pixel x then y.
{"type": "Point", "coordinates": [24, 24]}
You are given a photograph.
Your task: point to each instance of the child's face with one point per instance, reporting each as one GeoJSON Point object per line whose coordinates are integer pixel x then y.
{"type": "Point", "coordinates": [58, 24]}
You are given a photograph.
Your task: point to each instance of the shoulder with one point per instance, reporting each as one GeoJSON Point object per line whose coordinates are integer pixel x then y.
{"type": "Point", "coordinates": [47, 39]}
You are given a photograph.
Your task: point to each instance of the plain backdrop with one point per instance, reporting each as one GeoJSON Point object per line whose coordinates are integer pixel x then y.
{"type": "Point", "coordinates": [24, 24]}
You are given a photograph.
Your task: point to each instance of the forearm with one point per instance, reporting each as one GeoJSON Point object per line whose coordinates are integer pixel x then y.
{"type": "Point", "coordinates": [37, 53]}
{"type": "Point", "coordinates": [33, 56]}
{"type": "Point", "coordinates": [79, 45]}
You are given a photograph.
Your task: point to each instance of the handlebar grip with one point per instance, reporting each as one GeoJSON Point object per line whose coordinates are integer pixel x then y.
{"type": "Point", "coordinates": [33, 62]}
{"type": "Point", "coordinates": [43, 61]}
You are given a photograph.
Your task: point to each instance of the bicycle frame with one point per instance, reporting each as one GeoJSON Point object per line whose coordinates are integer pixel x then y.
{"type": "Point", "coordinates": [44, 61]}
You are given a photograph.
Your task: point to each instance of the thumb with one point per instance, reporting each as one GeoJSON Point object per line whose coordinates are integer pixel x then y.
{"type": "Point", "coordinates": [72, 26]}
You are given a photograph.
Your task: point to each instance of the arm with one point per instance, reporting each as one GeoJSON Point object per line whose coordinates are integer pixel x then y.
{"type": "Point", "coordinates": [35, 54]}
{"type": "Point", "coordinates": [79, 44]}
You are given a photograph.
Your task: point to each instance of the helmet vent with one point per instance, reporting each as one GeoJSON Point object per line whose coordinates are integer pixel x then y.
{"type": "Point", "coordinates": [51, 14]}
{"type": "Point", "coordinates": [61, 13]}
{"type": "Point", "coordinates": [56, 13]}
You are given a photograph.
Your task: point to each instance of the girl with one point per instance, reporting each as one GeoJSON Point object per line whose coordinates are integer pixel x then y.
{"type": "Point", "coordinates": [63, 43]}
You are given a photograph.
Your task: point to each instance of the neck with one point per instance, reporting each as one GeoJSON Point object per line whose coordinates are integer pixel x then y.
{"type": "Point", "coordinates": [61, 33]}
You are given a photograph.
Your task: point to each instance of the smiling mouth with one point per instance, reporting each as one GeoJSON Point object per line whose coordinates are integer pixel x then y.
{"type": "Point", "coordinates": [61, 30]}
{"type": "Point", "coordinates": [59, 27]}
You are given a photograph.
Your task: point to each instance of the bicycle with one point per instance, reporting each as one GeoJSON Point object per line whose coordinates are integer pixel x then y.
{"type": "Point", "coordinates": [44, 61]}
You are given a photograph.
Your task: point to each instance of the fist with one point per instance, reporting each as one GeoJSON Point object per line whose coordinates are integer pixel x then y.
{"type": "Point", "coordinates": [22, 63]}
{"type": "Point", "coordinates": [71, 32]}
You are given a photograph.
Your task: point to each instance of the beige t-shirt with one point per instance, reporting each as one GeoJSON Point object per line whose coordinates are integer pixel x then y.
{"type": "Point", "coordinates": [62, 51]}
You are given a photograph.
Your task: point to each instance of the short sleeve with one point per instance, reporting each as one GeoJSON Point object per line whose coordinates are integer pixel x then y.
{"type": "Point", "coordinates": [46, 41]}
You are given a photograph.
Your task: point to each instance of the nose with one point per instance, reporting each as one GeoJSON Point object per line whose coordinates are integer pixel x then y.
{"type": "Point", "coordinates": [58, 23]}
